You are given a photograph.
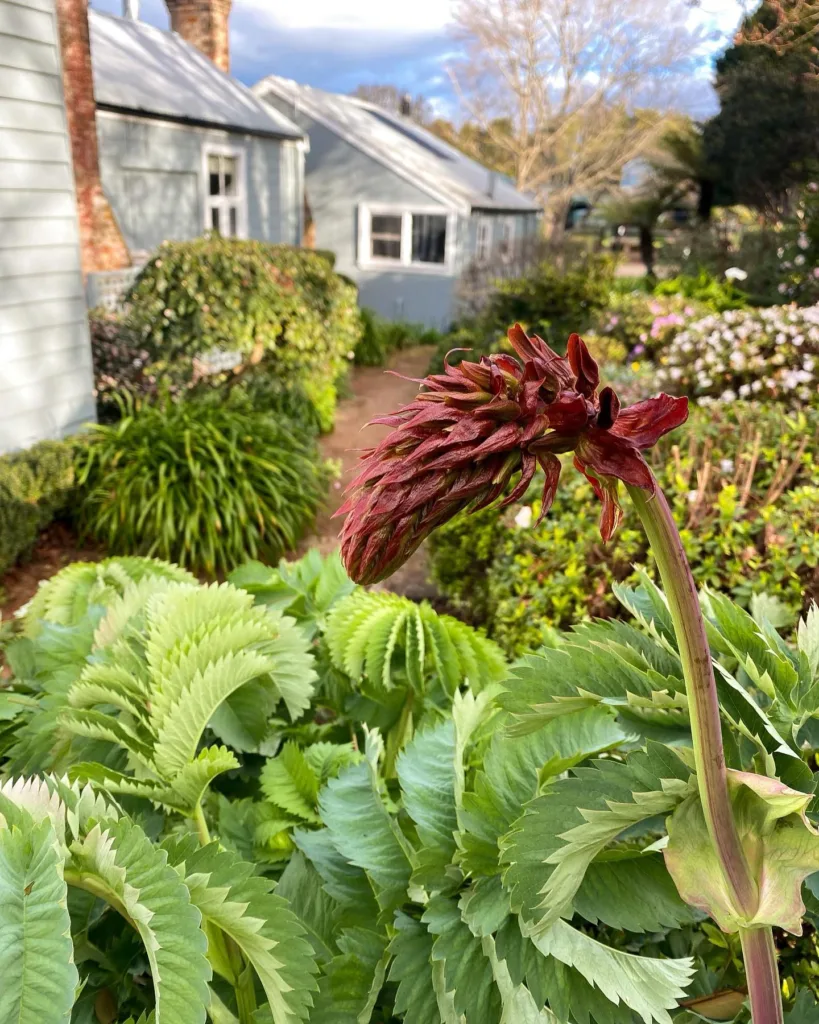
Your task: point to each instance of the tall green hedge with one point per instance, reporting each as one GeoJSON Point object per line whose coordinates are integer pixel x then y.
{"type": "Point", "coordinates": [34, 486]}
{"type": "Point", "coordinates": [283, 310]}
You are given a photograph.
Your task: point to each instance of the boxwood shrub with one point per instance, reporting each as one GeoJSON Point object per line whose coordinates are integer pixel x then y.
{"type": "Point", "coordinates": [744, 487]}
{"type": "Point", "coordinates": [35, 486]}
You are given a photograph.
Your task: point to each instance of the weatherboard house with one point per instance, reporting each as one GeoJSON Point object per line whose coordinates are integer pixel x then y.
{"type": "Point", "coordinates": [404, 212]}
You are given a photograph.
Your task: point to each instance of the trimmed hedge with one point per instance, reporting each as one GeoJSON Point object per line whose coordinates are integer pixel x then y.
{"type": "Point", "coordinates": [35, 485]}
{"type": "Point", "coordinates": [280, 309]}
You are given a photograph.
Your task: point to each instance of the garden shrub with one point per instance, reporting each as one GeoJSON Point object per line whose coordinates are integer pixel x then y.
{"type": "Point", "coordinates": [717, 293]}
{"type": "Point", "coordinates": [35, 485]}
{"type": "Point", "coordinates": [275, 307]}
{"type": "Point", "coordinates": [198, 482]}
{"type": "Point", "coordinates": [551, 302]}
{"type": "Point", "coordinates": [380, 338]}
{"type": "Point", "coordinates": [769, 353]}
{"type": "Point", "coordinates": [743, 491]}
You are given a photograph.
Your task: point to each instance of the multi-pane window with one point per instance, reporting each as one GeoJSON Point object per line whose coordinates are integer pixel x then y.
{"type": "Point", "coordinates": [483, 239]}
{"type": "Point", "coordinates": [225, 195]}
{"type": "Point", "coordinates": [404, 237]}
{"type": "Point", "coordinates": [507, 240]}
{"type": "Point", "coordinates": [385, 236]}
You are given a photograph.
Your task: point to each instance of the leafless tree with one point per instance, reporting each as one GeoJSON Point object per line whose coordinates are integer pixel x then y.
{"type": "Point", "coordinates": [784, 25]}
{"type": "Point", "coordinates": [568, 91]}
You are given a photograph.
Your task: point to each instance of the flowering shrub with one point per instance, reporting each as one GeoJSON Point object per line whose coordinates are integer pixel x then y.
{"type": "Point", "coordinates": [768, 353]}
{"type": "Point", "coordinates": [644, 324]}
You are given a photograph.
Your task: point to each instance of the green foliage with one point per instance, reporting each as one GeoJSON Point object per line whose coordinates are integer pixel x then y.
{"type": "Point", "coordinates": [283, 311]}
{"type": "Point", "coordinates": [742, 490]}
{"type": "Point", "coordinates": [198, 482]}
{"type": "Point", "coordinates": [718, 294]}
{"type": "Point", "coordinates": [35, 486]}
{"type": "Point", "coordinates": [380, 338]}
{"type": "Point", "coordinates": [184, 904]}
{"type": "Point", "coordinates": [551, 303]}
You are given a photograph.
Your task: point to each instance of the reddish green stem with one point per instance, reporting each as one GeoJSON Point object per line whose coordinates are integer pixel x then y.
{"type": "Point", "coordinates": [709, 755]}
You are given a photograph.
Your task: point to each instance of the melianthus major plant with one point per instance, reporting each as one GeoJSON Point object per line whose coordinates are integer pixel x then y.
{"type": "Point", "coordinates": [739, 842]}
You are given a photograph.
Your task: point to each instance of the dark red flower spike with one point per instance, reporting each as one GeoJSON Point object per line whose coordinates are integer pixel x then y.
{"type": "Point", "coordinates": [458, 446]}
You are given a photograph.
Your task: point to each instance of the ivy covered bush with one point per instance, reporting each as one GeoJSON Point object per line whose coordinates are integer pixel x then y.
{"type": "Point", "coordinates": [745, 490]}
{"type": "Point", "coordinates": [35, 485]}
{"type": "Point", "coordinates": [279, 310]}
{"type": "Point", "coordinates": [380, 338]}
{"type": "Point", "coordinates": [768, 353]}
{"type": "Point", "coordinates": [203, 483]}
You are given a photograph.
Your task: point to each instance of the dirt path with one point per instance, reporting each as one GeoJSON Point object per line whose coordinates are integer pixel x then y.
{"type": "Point", "coordinates": [374, 393]}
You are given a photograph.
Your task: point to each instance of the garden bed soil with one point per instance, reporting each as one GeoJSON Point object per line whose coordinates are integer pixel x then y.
{"type": "Point", "coordinates": [56, 547]}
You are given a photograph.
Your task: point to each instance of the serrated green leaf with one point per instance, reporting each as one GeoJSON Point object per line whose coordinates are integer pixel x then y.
{"type": "Point", "coordinates": [141, 882]}
{"type": "Point", "coordinates": [426, 771]}
{"type": "Point", "coordinates": [649, 986]}
{"type": "Point", "coordinates": [351, 982]}
{"type": "Point", "coordinates": [411, 949]}
{"type": "Point", "coordinates": [551, 846]}
{"type": "Point", "coordinates": [467, 972]}
{"type": "Point", "coordinates": [290, 783]}
{"type": "Point", "coordinates": [241, 904]}
{"type": "Point", "coordinates": [36, 953]}
{"type": "Point", "coordinates": [364, 833]}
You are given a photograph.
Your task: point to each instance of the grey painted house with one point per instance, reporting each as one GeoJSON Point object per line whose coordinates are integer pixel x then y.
{"type": "Point", "coordinates": [45, 356]}
{"type": "Point", "coordinates": [404, 212]}
{"type": "Point", "coordinates": [183, 147]}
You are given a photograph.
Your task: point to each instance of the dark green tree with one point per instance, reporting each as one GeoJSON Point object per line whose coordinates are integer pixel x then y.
{"type": "Point", "coordinates": [766, 136]}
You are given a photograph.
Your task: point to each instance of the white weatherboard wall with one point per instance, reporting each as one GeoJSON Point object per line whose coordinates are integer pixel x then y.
{"type": "Point", "coordinates": [45, 354]}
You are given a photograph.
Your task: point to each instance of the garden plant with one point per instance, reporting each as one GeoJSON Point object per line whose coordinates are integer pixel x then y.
{"type": "Point", "coordinates": [738, 844]}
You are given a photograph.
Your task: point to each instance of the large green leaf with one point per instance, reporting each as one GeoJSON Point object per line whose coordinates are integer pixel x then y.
{"type": "Point", "coordinates": [118, 857]}
{"type": "Point", "coordinates": [351, 981]}
{"type": "Point", "coordinates": [36, 953]}
{"type": "Point", "coordinates": [229, 895]}
{"type": "Point", "coordinates": [550, 847]}
{"type": "Point", "coordinates": [361, 829]}
{"type": "Point", "coordinates": [411, 948]}
{"type": "Point", "coordinates": [467, 973]}
{"type": "Point", "coordinates": [426, 771]}
{"type": "Point", "coordinates": [649, 986]}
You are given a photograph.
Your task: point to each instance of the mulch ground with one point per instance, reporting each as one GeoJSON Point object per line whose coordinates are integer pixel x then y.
{"type": "Point", "coordinates": [373, 392]}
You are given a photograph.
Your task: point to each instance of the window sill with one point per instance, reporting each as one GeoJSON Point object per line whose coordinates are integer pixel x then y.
{"type": "Point", "coordinates": [431, 269]}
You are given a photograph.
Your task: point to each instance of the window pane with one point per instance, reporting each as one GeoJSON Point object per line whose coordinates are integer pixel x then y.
{"type": "Point", "coordinates": [213, 175]}
{"type": "Point", "coordinates": [386, 224]}
{"type": "Point", "coordinates": [428, 238]}
{"type": "Point", "coordinates": [214, 218]}
{"type": "Point", "coordinates": [387, 248]}
{"type": "Point", "coordinates": [229, 168]}
{"type": "Point", "coordinates": [233, 220]}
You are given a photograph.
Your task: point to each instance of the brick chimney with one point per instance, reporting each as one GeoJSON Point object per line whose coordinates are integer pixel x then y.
{"type": "Point", "coordinates": [203, 24]}
{"type": "Point", "coordinates": [101, 243]}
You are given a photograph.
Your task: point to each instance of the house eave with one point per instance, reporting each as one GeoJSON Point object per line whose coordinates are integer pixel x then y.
{"type": "Point", "coordinates": [193, 122]}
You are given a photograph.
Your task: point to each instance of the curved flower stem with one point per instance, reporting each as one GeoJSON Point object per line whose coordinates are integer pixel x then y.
{"type": "Point", "coordinates": [709, 755]}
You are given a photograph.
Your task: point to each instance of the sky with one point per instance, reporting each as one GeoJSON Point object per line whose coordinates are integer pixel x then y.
{"type": "Point", "coordinates": [340, 44]}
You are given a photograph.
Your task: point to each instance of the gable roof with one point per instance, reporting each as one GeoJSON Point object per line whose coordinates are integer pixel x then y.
{"type": "Point", "coordinates": [409, 150]}
{"type": "Point", "coordinates": [142, 70]}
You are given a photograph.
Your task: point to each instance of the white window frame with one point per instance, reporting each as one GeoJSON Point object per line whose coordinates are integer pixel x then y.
{"type": "Point", "coordinates": [366, 211]}
{"type": "Point", "coordinates": [507, 238]}
{"type": "Point", "coordinates": [483, 240]}
{"type": "Point", "coordinates": [223, 202]}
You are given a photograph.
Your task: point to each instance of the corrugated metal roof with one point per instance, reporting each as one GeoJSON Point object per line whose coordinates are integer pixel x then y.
{"type": "Point", "coordinates": [403, 146]}
{"type": "Point", "coordinates": [142, 69]}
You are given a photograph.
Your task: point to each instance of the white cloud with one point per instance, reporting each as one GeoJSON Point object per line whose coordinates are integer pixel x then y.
{"type": "Point", "coordinates": [419, 17]}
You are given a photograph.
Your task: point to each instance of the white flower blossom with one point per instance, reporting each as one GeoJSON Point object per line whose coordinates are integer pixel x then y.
{"type": "Point", "coordinates": [736, 274]}
{"type": "Point", "coordinates": [524, 517]}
